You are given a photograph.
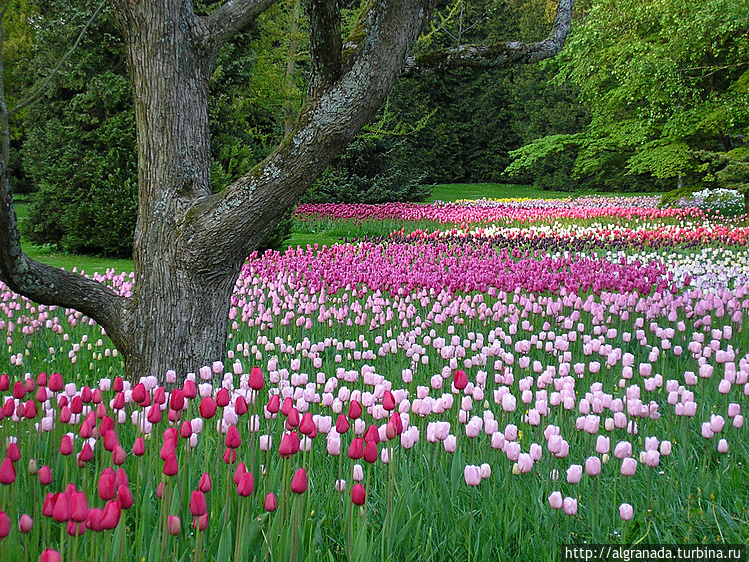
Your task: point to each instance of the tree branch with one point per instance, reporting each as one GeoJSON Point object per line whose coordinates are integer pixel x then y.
{"type": "Point", "coordinates": [232, 17]}
{"type": "Point", "coordinates": [48, 285]}
{"type": "Point", "coordinates": [497, 55]}
{"type": "Point", "coordinates": [227, 226]}
{"type": "Point", "coordinates": [325, 45]}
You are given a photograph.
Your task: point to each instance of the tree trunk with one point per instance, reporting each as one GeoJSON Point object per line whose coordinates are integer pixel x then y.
{"type": "Point", "coordinates": [178, 314]}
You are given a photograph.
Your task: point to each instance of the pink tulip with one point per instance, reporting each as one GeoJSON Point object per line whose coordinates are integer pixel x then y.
{"type": "Point", "coordinates": [49, 555]}
{"type": "Point", "coordinates": [358, 494]}
{"type": "Point", "coordinates": [270, 503]}
{"type": "Point", "coordinates": [574, 473]}
{"type": "Point", "coordinates": [472, 475]}
{"type": "Point", "coordinates": [626, 512]}
{"type": "Point", "coordinates": [723, 446]}
{"type": "Point", "coordinates": [629, 466]}
{"type": "Point", "coordinates": [197, 505]}
{"type": "Point", "coordinates": [174, 525]}
{"type": "Point", "coordinates": [593, 466]}
{"type": "Point", "coordinates": [555, 500]}
{"type": "Point", "coordinates": [569, 506]}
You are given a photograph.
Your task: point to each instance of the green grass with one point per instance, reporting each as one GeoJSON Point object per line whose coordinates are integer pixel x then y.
{"type": "Point", "coordinates": [455, 191]}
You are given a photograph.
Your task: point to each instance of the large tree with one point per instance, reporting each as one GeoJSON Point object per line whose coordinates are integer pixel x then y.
{"type": "Point", "coordinates": [190, 242]}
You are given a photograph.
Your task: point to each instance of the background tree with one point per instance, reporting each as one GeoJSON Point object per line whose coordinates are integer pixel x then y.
{"type": "Point", "coordinates": [666, 86]}
{"type": "Point", "coordinates": [190, 242]}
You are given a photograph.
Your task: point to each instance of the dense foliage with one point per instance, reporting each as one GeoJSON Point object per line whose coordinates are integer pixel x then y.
{"type": "Point", "coordinates": [79, 150]}
{"type": "Point", "coordinates": [666, 85]}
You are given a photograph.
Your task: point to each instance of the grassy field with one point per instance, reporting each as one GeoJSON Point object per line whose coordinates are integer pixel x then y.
{"type": "Point", "coordinates": [455, 191]}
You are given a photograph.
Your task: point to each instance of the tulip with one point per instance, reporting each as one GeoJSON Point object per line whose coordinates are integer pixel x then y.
{"type": "Point", "coordinates": [7, 472]}
{"type": "Point", "coordinates": [555, 500]}
{"type": "Point", "coordinates": [472, 475]}
{"type": "Point", "coordinates": [25, 523]}
{"type": "Point", "coordinates": [593, 466]}
{"type": "Point", "coordinates": [174, 525]}
{"type": "Point", "coordinates": [207, 408]}
{"type": "Point", "coordinates": [629, 466]}
{"type": "Point", "coordinates": [49, 555]}
{"type": "Point", "coordinates": [355, 410]}
{"type": "Point", "coordinates": [569, 506]}
{"type": "Point", "coordinates": [110, 517]}
{"type": "Point", "coordinates": [233, 440]}
{"type": "Point", "coordinates": [299, 482]}
{"type": "Point", "coordinates": [170, 465]}
{"type": "Point", "coordinates": [124, 497]}
{"type": "Point", "coordinates": [78, 507]}
{"type": "Point", "coordinates": [61, 508]}
{"type": "Point", "coordinates": [198, 505]}
{"type": "Point", "coordinates": [246, 485]}
{"type": "Point", "coordinates": [358, 494]}
{"type": "Point", "coordinates": [4, 525]}
{"type": "Point", "coordinates": [722, 446]}
{"type": "Point", "coordinates": [200, 522]}
{"type": "Point", "coordinates": [626, 512]}
{"type": "Point", "coordinates": [270, 503]}
{"type": "Point", "coordinates": [574, 474]}
{"type": "Point", "coordinates": [356, 449]}
{"type": "Point", "coordinates": [106, 486]}
{"type": "Point", "coordinates": [342, 424]}
{"type": "Point", "coordinates": [460, 379]}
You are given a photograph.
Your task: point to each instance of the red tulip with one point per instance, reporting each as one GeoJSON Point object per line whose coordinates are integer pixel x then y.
{"type": "Point", "coordinates": [190, 389]}
{"type": "Point", "coordinates": [93, 521]}
{"type": "Point", "coordinates": [30, 410]}
{"type": "Point", "coordinates": [354, 410]}
{"type": "Point", "coordinates": [4, 525]}
{"type": "Point", "coordinates": [288, 405]}
{"type": "Point", "coordinates": [61, 508]}
{"type": "Point", "coordinates": [270, 503]}
{"type": "Point", "coordinates": [139, 447]}
{"type": "Point", "coordinates": [185, 430]}
{"type": "Point", "coordinates": [19, 390]}
{"type": "Point", "coordinates": [76, 405]}
{"type": "Point", "coordinates": [230, 456]}
{"type": "Point", "coordinates": [10, 407]}
{"type": "Point", "coordinates": [358, 494]}
{"type": "Point", "coordinates": [25, 523]}
{"type": "Point", "coordinates": [48, 506]}
{"type": "Point", "coordinates": [124, 497]}
{"type": "Point", "coordinates": [174, 525]}
{"type": "Point", "coordinates": [120, 478]}
{"type": "Point", "coordinates": [50, 555]}
{"type": "Point", "coordinates": [160, 490]}
{"type": "Point", "coordinates": [198, 505]}
{"type": "Point", "coordinates": [111, 516]}
{"type": "Point", "coordinates": [222, 397]}
{"type": "Point", "coordinates": [106, 485]}
{"type": "Point", "coordinates": [286, 449]}
{"type": "Point", "coordinates": [107, 425]}
{"type": "Point", "coordinates": [86, 395]}
{"type": "Point", "coordinates": [372, 434]}
{"type": "Point", "coordinates": [207, 407]}
{"type": "Point", "coordinates": [205, 483]}
{"type": "Point", "coordinates": [307, 425]}
{"type": "Point", "coordinates": [118, 456]}
{"type": "Point", "coordinates": [170, 465]}
{"type": "Point", "coordinates": [239, 472]}
{"type": "Point", "coordinates": [76, 529]}
{"type": "Point", "coordinates": [168, 447]}
{"type": "Point", "coordinates": [13, 452]}
{"type": "Point", "coordinates": [293, 419]}
{"type": "Point", "coordinates": [86, 430]}
{"type": "Point", "coordinates": [4, 382]}
{"type": "Point", "coordinates": [356, 449]}
{"type": "Point", "coordinates": [460, 379]}
{"type": "Point", "coordinates": [86, 454]}
{"type": "Point", "coordinates": [388, 402]}
{"type": "Point", "coordinates": [342, 424]}
{"type": "Point", "coordinates": [66, 445]}
{"type": "Point", "coordinates": [7, 472]}
{"type": "Point", "coordinates": [29, 385]}
{"type": "Point", "coordinates": [119, 401]}
{"type": "Point", "coordinates": [370, 452]}
{"type": "Point", "coordinates": [110, 441]}
{"type": "Point", "coordinates": [246, 484]}
{"type": "Point", "coordinates": [256, 379]}
{"type": "Point", "coordinates": [55, 383]}
{"type": "Point", "coordinates": [78, 507]}
{"type": "Point", "coordinates": [233, 440]}
{"type": "Point", "coordinates": [240, 406]}
{"type": "Point", "coordinates": [41, 394]}
{"type": "Point", "coordinates": [139, 394]}
{"type": "Point", "coordinates": [118, 385]}
{"type": "Point", "coordinates": [200, 522]}
{"type": "Point", "coordinates": [159, 395]}
{"type": "Point", "coordinates": [45, 475]}
{"type": "Point", "coordinates": [274, 404]}
{"type": "Point", "coordinates": [299, 482]}
{"type": "Point", "coordinates": [154, 414]}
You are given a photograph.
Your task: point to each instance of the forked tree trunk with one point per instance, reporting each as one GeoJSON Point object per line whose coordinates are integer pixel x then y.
{"type": "Point", "coordinates": [189, 243]}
